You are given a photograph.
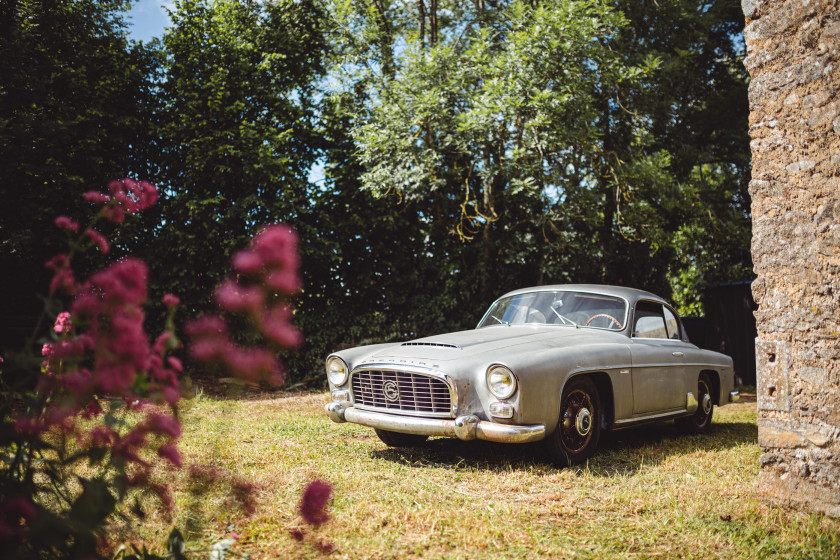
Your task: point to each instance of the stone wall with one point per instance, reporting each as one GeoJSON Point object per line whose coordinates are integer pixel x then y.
{"type": "Point", "coordinates": [793, 57]}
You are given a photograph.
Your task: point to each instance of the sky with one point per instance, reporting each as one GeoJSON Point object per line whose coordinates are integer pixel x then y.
{"type": "Point", "coordinates": [147, 18]}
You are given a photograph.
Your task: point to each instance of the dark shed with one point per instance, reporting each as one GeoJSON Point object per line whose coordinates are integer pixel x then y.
{"type": "Point", "coordinates": [730, 326]}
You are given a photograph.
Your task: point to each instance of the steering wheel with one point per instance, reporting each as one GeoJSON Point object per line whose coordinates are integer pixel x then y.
{"type": "Point", "coordinates": [610, 317]}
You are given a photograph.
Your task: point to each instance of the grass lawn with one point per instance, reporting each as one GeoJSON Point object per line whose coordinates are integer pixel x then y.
{"type": "Point", "coordinates": [648, 493]}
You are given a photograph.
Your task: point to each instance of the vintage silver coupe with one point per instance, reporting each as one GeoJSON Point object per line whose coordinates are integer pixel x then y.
{"type": "Point", "coordinates": [551, 363]}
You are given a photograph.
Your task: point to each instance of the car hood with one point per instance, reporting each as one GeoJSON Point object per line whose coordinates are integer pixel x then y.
{"type": "Point", "coordinates": [458, 345]}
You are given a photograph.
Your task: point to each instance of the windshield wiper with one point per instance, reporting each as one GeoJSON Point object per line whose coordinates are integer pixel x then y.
{"type": "Point", "coordinates": [565, 320]}
{"type": "Point", "coordinates": [500, 321]}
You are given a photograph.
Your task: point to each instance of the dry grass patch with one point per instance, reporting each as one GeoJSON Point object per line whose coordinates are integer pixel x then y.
{"type": "Point", "coordinates": [648, 493]}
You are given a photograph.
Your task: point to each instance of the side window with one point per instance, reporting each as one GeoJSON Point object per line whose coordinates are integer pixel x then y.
{"type": "Point", "coordinates": [649, 321]}
{"type": "Point", "coordinates": [672, 324]}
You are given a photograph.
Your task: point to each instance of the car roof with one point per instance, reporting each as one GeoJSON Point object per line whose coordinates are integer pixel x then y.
{"type": "Point", "coordinates": [632, 295]}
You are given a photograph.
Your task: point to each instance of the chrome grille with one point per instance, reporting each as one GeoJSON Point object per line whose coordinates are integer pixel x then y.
{"type": "Point", "coordinates": [409, 392]}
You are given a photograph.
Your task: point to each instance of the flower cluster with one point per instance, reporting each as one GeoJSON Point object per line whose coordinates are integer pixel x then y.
{"type": "Point", "coordinates": [109, 349]}
{"type": "Point", "coordinates": [266, 276]}
{"type": "Point", "coordinates": [125, 196]}
{"type": "Point", "coordinates": [108, 393]}
{"type": "Point", "coordinates": [98, 364]}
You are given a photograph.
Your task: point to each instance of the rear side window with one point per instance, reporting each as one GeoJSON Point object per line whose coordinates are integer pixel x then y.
{"type": "Point", "coordinates": [672, 324]}
{"type": "Point", "coordinates": [649, 321]}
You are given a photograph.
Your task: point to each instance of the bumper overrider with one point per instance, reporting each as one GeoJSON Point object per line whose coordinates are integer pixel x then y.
{"type": "Point", "coordinates": [466, 427]}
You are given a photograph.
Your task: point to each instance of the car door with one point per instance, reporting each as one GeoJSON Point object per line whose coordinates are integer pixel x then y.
{"type": "Point", "coordinates": [658, 360]}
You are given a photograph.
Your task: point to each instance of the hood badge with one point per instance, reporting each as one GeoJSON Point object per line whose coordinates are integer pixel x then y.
{"type": "Point", "coordinates": [391, 390]}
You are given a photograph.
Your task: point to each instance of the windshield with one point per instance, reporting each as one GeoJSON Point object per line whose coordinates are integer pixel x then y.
{"type": "Point", "coordinates": [572, 309]}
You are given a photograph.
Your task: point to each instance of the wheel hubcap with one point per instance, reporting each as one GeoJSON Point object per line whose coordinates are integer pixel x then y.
{"type": "Point", "coordinates": [576, 424]}
{"type": "Point", "coordinates": [707, 403]}
{"type": "Point", "coordinates": [583, 422]}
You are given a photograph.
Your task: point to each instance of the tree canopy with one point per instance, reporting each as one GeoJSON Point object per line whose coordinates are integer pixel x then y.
{"type": "Point", "coordinates": [431, 154]}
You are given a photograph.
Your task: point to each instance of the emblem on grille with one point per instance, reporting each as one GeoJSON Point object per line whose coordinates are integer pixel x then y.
{"type": "Point", "coordinates": [391, 390]}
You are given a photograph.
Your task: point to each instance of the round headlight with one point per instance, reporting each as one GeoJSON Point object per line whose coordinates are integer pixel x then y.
{"type": "Point", "coordinates": [501, 381]}
{"type": "Point", "coordinates": [336, 371]}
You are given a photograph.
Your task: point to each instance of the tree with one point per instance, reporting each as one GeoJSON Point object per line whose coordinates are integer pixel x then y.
{"type": "Point", "coordinates": [557, 140]}
{"type": "Point", "coordinates": [485, 121]}
{"type": "Point", "coordinates": [236, 131]}
{"type": "Point", "coordinates": [695, 107]}
{"type": "Point", "coordinates": [73, 92]}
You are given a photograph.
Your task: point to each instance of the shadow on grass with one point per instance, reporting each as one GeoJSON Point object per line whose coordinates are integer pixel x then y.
{"type": "Point", "coordinates": [623, 451]}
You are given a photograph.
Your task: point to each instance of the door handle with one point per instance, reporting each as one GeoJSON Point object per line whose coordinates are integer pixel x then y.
{"type": "Point", "coordinates": [677, 354]}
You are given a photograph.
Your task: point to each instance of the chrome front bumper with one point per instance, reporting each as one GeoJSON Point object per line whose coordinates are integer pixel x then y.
{"type": "Point", "coordinates": [466, 427]}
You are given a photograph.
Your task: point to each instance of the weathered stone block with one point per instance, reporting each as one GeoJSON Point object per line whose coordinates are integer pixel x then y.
{"type": "Point", "coordinates": [791, 491]}
{"type": "Point", "coordinates": [773, 387]}
{"type": "Point", "coordinates": [772, 435]}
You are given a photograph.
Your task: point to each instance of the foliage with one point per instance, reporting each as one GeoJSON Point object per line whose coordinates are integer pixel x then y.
{"type": "Point", "coordinates": [235, 132]}
{"type": "Point", "coordinates": [696, 107]}
{"type": "Point", "coordinates": [74, 96]}
{"type": "Point", "coordinates": [467, 148]}
{"type": "Point", "coordinates": [524, 167]}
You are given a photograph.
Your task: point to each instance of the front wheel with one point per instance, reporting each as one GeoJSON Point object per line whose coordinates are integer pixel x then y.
{"type": "Point", "coordinates": [701, 421]}
{"type": "Point", "coordinates": [396, 439]}
{"type": "Point", "coordinates": [575, 438]}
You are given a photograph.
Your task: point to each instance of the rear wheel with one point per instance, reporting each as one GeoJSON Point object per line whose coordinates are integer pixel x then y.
{"type": "Point", "coordinates": [396, 439]}
{"type": "Point", "coordinates": [701, 421]}
{"type": "Point", "coordinates": [576, 437]}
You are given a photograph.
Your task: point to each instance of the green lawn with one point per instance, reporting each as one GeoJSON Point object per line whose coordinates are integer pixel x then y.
{"type": "Point", "coordinates": [648, 493]}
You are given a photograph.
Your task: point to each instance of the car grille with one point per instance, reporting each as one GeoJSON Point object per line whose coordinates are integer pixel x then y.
{"type": "Point", "coordinates": [402, 390]}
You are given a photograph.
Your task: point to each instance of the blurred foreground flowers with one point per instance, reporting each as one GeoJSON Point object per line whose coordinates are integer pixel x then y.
{"type": "Point", "coordinates": [78, 448]}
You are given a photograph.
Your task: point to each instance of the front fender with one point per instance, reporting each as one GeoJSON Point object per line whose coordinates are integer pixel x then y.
{"type": "Point", "coordinates": [543, 375]}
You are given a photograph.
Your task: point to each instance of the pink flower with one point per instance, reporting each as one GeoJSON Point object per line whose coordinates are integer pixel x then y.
{"type": "Point", "coordinates": [170, 394]}
{"type": "Point", "coordinates": [277, 245]}
{"type": "Point", "coordinates": [66, 223]}
{"type": "Point", "coordinates": [114, 213]}
{"type": "Point", "coordinates": [99, 240]}
{"type": "Point", "coordinates": [175, 363]}
{"type": "Point", "coordinates": [164, 496]}
{"type": "Point", "coordinates": [63, 323]}
{"type": "Point", "coordinates": [247, 262]}
{"type": "Point", "coordinates": [63, 278]}
{"type": "Point", "coordinates": [127, 448]}
{"type": "Point", "coordinates": [124, 282]}
{"type": "Point", "coordinates": [286, 281]}
{"type": "Point", "coordinates": [101, 436]}
{"type": "Point", "coordinates": [233, 297]}
{"type": "Point", "coordinates": [170, 301]}
{"type": "Point", "coordinates": [251, 363]}
{"type": "Point", "coordinates": [314, 501]}
{"type": "Point", "coordinates": [297, 534]}
{"type": "Point", "coordinates": [97, 197]}
{"type": "Point", "coordinates": [209, 338]}
{"type": "Point", "coordinates": [277, 328]}
{"type": "Point", "coordinates": [18, 507]}
{"type": "Point", "coordinates": [245, 493]}
{"type": "Point", "coordinates": [133, 195]}
{"type": "Point", "coordinates": [13, 529]}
